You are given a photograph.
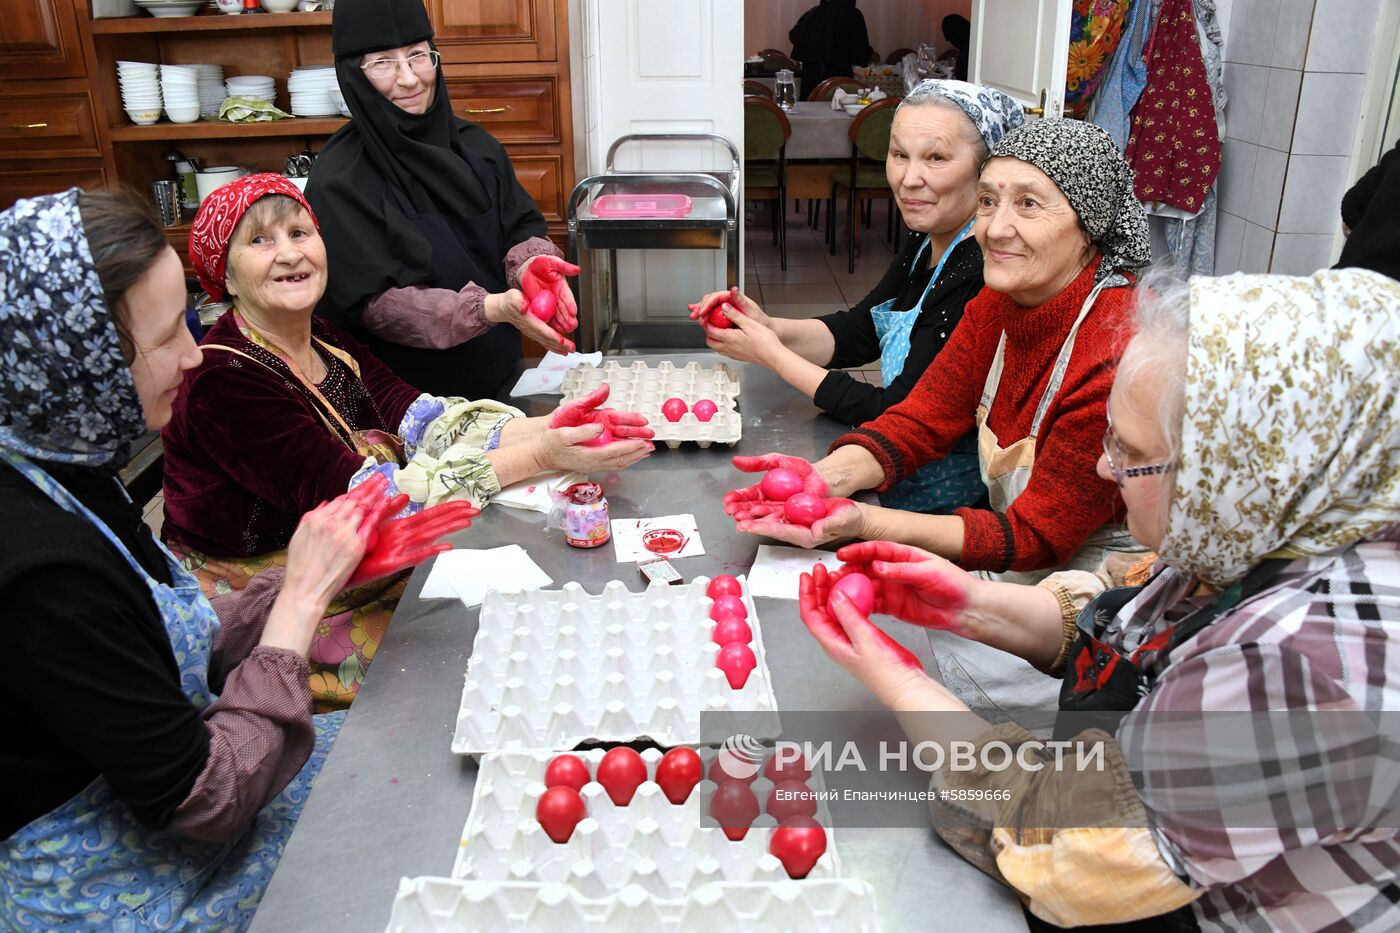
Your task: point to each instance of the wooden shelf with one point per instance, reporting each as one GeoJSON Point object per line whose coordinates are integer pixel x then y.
{"type": "Point", "coordinates": [207, 22]}
{"type": "Point", "coordinates": [205, 129]}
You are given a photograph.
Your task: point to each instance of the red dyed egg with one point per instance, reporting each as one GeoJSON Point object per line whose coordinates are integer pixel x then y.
{"type": "Point", "coordinates": [566, 771]}
{"type": "Point", "coordinates": [728, 607]}
{"type": "Point", "coordinates": [737, 661]}
{"type": "Point", "coordinates": [559, 811]}
{"type": "Point", "coordinates": [605, 438]}
{"type": "Point", "coordinates": [804, 509]}
{"type": "Point", "coordinates": [726, 767]}
{"type": "Point", "coordinates": [781, 484]}
{"type": "Point", "coordinates": [778, 772]}
{"type": "Point", "coordinates": [543, 305]}
{"type": "Point", "coordinates": [677, 773]}
{"type": "Point", "coordinates": [731, 629]}
{"type": "Point", "coordinates": [734, 807]}
{"type": "Point", "coordinates": [798, 843]}
{"type": "Point", "coordinates": [621, 772]}
{"type": "Point", "coordinates": [858, 589]}
{"type": "Point", "coordinates": [717, 318]}
{"type": "Point", "coordinates": [673, 408]}
{"type": "Point", "coordinates": [724, 585]}
{"type": "Point", "coordinates": [705, 409]}
{"type": "Point", "coordinates": [788, 799]}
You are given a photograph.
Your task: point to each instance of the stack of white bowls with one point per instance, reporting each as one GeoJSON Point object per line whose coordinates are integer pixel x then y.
{"type": "Point", "coordinates": [211, 89]}
{"type": "Point", "coordinates": [179, 86]}
{"type": "Point", "coordinates": [311, 91]}
{"type": "Point", "coordinates": [254, 87]}
{"type": "Point", "coordinates": [140, 87]}
{"type": "Point", "coordinates": [168, 8]}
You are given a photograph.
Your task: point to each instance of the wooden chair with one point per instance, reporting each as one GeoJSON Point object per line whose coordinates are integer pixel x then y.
{"type": "Point", "coordinates": [766, 132]}
{"type": "Point", "coordinates": [865, 176]}
{"type": "Point", "coordinates": [897, 56]}
{"type": "Point", "coordinates": [828, 88]}
{"type": "Point", "coordinates": [757, 88]}
{"type": "Point", "coordinates": [776, 59]}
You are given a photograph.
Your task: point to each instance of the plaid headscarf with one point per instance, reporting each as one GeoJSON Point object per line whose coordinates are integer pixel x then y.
{"type": "Point", "coordinates": [1083, 162]}
{"type": "Point", "coordinates": [1290, 430]}
{"type": "Point", "coordinates": [219, 214]}
{"type": "Point", "coordinates": [66, 392]}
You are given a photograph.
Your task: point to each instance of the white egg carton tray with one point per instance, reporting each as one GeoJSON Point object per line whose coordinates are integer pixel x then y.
{"type": "Point", "coordinates": [552, 669]}
{"type": "Point", "coordinates": [640, 388]}
{"type": "Point", "coordinates": [445, 905]}
{"type": "Point", "coordinates": [664, 849]}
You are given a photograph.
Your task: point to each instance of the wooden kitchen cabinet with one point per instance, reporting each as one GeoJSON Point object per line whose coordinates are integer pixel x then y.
{"type": "Point", "coordinates": [40, 40]}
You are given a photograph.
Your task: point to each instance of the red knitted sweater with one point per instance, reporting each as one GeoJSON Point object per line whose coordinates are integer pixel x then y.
{"type": "Point", "coordinates": [1065, 500]}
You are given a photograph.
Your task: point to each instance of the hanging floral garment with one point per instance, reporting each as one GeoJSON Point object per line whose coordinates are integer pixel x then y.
{"type": "Point", "coordinates": [1174, 147]}
{"type": "Point", "coordinates": [1096, 26]}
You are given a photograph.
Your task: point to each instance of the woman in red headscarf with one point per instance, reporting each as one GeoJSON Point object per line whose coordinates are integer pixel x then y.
{"type": "Point", "coordinates": [286, 411]}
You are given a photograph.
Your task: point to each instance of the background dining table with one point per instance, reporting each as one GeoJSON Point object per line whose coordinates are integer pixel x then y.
{"type": "Point", "coordinates": [818, 132]}
{"type": "Point", "coordinates": [392, 798]}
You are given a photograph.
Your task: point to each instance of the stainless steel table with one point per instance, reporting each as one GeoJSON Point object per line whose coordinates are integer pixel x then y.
{"type": "Point", "coordinates": [392, 799]}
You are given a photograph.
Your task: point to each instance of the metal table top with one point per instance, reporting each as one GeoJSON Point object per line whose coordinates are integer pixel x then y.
{"type": "Point", "coordinates": [392, 799]}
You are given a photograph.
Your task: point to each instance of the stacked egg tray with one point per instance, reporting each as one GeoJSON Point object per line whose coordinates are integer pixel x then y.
{"type": "Point", "coordinates": [640, 388]}
{"type": "Point", "coordinates": [552, 669]}
{"type": "Point", "coordinates": [641, 866]}
{"type": "Point", "coordinates": [442, 905]}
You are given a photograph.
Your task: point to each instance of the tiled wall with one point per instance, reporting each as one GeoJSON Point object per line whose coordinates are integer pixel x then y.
{"type": "Point", "coordinates": [1294, 76]}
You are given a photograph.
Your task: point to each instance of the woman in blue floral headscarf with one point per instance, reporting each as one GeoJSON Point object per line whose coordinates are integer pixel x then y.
{"type": "Point", "coordinates": [159, 754]}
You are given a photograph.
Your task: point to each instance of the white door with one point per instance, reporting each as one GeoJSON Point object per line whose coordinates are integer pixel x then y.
{"type": "Point", "coordinates": [662, 67]}
{"type": "Point", "coordinates": [1022, 47]}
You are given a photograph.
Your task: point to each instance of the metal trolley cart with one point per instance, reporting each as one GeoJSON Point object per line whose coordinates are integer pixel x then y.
{"type": "Point", "coordinates": [710, 222]}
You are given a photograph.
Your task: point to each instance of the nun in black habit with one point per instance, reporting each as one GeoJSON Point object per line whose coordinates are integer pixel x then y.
{"type": "Point", "coordinates": [429, 236]}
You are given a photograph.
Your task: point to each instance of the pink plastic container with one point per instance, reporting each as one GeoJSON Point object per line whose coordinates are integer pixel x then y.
{"type": "Point", "coordinates": [642, 205]}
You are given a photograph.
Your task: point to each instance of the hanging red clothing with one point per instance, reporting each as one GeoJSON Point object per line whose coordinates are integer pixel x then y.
{"type": "Point", "coordinates": [1174, 147]}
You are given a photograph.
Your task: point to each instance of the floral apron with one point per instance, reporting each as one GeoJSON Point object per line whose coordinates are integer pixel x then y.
{"type": "Point", "coordinates": [91, 865]}
{"type": "Point", "coordinates": [951, 481]}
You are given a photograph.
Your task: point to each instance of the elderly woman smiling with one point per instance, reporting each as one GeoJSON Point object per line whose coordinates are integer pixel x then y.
{"type": "Point", "coordinates": [942, 133]}
{"type": "Point", "coordinates": [286, 411]}
{"type": "Point", "coordinates": [1255, 439]}
{"type": "Point", "coordinates": [1028, 368]}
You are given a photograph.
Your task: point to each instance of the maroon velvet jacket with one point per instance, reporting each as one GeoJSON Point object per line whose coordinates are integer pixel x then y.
{"type": "Point", "coordinates": [246, 454]}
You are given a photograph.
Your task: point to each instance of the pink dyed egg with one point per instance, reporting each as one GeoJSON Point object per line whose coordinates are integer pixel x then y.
{"type": "Point", "coordinates": [705, 409]}
{"type": "Point", "coordinates": [731, 628]}
{"type": "Point", "coordinates": [673, 408]}
{"type": "Point", "coordinates": [737, 661]}
{"type": "Point", "coordinates": [728, 607]}
{"type": "Point", "coordinates": [717, 318]}
{"type": "Point", "coordinates": [858, 589]}
{"type": "Point", "coordinates": [605, 438]}
{"type": "Point", "coordinates": [543, 305]}
{"type": "Point", "coordinates": [781, 484]}
{"type": "Point", "coordinates": [804, 509]}
{"type": "Point", "coordinates": [724, 585]}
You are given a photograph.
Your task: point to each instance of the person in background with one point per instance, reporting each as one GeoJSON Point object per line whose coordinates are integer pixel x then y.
{"type": "Point", "coordinates": [1371, 219]}
{"type": "Point", "coordinates": [942, 133]}
{"type": "Point", "coordinates": [286, 410]}
{"type": "Point", "coordinates": [829, 40]}
{"type": "Point", "coordinates": [158, 753]}
{"type": "Point", "coordinates": [958, 31]}
{"type": "Point", "coordinates": [1028, 368]}
{"type": "Point", "coordinates": [434, 246]}
{"type": "Point", "coordinates": [1254, 435]}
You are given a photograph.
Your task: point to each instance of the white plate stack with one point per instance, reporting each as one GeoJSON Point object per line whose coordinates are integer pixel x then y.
{"type": "Point", "coordinates": [179, 87]}
{"type": "Point", "coordinates": [211, 89]}
{"type": "Point", "coordinates": [311, 91]}
{"type": "Point", "coordinates": [338, 99]}
{"type": "Point", "coordinates": [163, 9]}
{"type": "Point", "coordinates": [253, 87]}
{"type": "Point", "coordinates": [140, 87]}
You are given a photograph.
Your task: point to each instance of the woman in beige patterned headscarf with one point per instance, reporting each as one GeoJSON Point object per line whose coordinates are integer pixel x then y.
{"type": "Point", "coordinates": [1254, 433]}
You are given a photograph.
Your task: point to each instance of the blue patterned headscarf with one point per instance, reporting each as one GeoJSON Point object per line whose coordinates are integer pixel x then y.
{"type": "Point", "coordinates": [66, 392]}
{"type": "Point", "coordinates": [993, 113]}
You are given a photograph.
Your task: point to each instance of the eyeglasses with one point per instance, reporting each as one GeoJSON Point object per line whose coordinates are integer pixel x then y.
{"type": "Point", "coordinates": [1110, 444]}
{"type": "Point", "coordinates": [382, 69]}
